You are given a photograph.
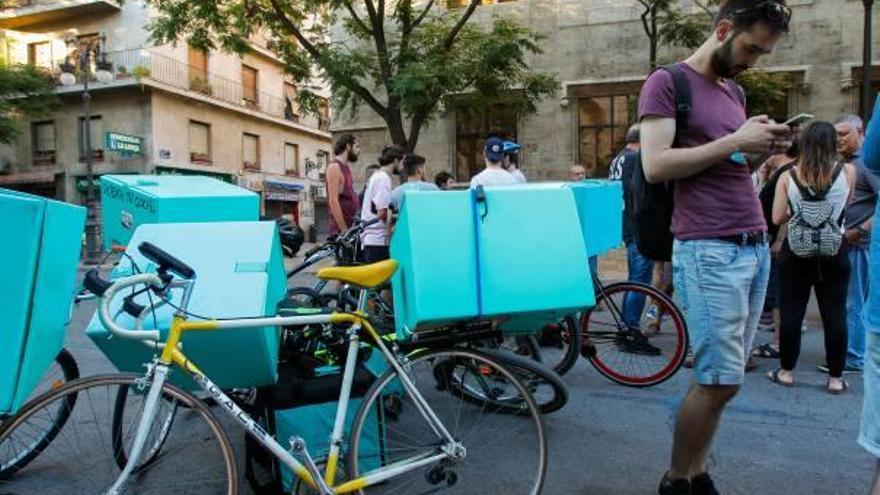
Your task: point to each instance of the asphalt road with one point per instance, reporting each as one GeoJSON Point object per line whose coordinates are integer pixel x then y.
{"type": "Point", "coordinates": [614, 440]}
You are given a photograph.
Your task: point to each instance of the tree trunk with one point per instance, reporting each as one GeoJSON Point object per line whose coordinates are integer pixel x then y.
{"type": "Point", "coordinates": [654, 38]}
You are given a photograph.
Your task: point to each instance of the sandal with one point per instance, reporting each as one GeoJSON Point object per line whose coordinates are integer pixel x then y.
{"type": "Point", "coordinates": [844, 386]}
{"type": "Point", "coordinates": [773, 376]}
{"type": "Point", "coordinates": [766, 351]}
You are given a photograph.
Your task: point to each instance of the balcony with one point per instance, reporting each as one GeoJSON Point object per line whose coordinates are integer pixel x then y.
{"type": "Point", "coordinates": [143, 66]}
{"type": "Point", "coordinates": [16, 14]}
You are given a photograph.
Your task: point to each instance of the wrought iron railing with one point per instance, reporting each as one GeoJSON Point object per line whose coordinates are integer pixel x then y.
{"type": "Point", "coordinates": [146, 64]}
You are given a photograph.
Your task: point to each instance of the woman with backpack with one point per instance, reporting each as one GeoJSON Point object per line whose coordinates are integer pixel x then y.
{"type": "Point", "coordinates": [811, 198]}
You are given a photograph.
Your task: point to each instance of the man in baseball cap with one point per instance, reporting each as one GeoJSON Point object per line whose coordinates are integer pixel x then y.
{"type": "Point", "coordinates": [494, 174]}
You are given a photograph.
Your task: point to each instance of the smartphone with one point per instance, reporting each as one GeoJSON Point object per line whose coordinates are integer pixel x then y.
{"type": "Point", "coordinates": [798, 120]}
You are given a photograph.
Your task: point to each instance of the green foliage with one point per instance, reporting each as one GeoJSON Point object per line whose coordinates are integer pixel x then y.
{"type": "Point", "coordinates": [141, 71]}
{"type": "Point", "coordinates": [406, 60]}
{"type": "Point", "coordinates": [765, 91]}
{"type": "Point", "coordinates": [25, 92]}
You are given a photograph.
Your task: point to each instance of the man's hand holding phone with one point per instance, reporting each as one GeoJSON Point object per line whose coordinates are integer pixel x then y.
{"type": "Point", "coordinates": [762, 135]}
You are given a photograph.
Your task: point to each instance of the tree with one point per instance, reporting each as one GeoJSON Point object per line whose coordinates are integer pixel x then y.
{"type": "Point", "coordinates": [405, 61]}
{"type": "Point", "coordinates": [25, 91]}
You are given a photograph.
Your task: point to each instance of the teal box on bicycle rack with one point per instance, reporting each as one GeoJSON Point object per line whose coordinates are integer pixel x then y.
{"type": "Point", "coordinates": [128, 201]}
{"type": "Point", "coordinates": [239, 273]}
{"type": "Point", "coordinates": [41, 251]}
{"type": "Point", "coordinates": [516, 255]}
{"type": "Point", "coordinates": [600, 208]}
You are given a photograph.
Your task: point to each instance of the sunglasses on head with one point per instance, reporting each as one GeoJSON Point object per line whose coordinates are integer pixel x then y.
{"type": "Point", "coordinates": [771, 11]}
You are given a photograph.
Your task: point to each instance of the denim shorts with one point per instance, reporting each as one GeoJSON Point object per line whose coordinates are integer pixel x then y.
{"type": "Point", "coordinates": [869, 433]}
{"type": "Point", "coordinates": [720, 286]}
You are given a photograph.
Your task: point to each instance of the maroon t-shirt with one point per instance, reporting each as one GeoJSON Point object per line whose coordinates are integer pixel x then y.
{"type": "Point", "coordinates": [720, 200]}
{"type": "Point", "coordinates": [348, 200]}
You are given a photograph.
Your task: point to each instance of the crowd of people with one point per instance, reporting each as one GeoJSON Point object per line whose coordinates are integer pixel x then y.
{"type": "Point", "coordinates": [764, 215]}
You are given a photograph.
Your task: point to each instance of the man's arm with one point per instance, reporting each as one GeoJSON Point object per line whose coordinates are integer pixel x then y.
{"type": "Point", "coordinates": [334, 185]}
{"type": "Point", "coordinates": [662, 162]}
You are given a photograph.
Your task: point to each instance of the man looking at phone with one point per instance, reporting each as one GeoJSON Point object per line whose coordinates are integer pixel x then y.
{"type": "Point", "coordinates": [720, 258]}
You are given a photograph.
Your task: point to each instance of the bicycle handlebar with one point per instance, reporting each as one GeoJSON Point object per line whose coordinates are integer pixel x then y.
{"type": "Point", "coordinates": [109, 322]}
{"type": "Point", "coordinates": [166, 261]}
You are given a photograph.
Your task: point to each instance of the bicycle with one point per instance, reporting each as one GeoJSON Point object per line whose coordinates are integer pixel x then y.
{"type": "Point", "coordinates": [438, 461]}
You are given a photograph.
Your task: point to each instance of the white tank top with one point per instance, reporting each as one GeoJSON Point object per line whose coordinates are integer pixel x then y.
{"type": "Point", "coordinates": [837, 195]}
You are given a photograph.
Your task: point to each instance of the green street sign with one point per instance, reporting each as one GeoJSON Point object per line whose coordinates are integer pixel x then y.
{"type": "Point", "coordinates": [122, 143]}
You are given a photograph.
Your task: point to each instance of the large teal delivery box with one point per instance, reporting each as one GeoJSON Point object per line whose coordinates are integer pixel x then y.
{"type": "Point", "coordinates": [518, 254]}
{"type": "Point", "coordinates": [239, 273]}
{"type": "Point", "coordinates": [128, 201]}
{"type": "Point", "coordinates": [40, 252]}
{"type": "Point", "coordinates": [600, 208]}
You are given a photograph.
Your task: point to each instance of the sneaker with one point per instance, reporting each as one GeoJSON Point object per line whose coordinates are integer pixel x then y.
{"type": "Point", "coordinates": [702, 484]}
{"type": "Point", "coordinates": [766, 327]}
{"type": "Point", "coordinates": [689, 360]}
{"type": "Point", "coordinates": [823, 367]}
{"type": "Point", "coordinates": [652, 312]}
{"type": "Point", "coordinates": [638, 344]}
{"type": "Point", "coordinates": [674, 487]}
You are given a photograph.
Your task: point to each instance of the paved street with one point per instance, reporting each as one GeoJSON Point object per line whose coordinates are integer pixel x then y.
{"type": "Point", "coordinates": [614, 440]}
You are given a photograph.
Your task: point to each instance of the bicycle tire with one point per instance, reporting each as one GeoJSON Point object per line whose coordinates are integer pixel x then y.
{"type": "Point", "coordinates": [119, 452]}
{"type": "Point", "coordinates": [70, 372]}
{"type": "Point", "coordinates": [534, 375]}
{"type": "Point", "coordinates": [84, 389]}
{"type": "Point", "coordinates": [602, 361]}
{"type": "Point", "coordinates": [566, 338]}
{"type": "Point", "coordinates": [444, 471]}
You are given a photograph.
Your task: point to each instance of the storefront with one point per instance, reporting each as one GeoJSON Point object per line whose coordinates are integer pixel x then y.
{"type": "Point", "coordinates": [37, 183]}
{"type": "Point", "coordinates": [282, 198]}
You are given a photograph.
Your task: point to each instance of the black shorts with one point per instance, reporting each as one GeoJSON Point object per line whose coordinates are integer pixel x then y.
{"type": "Point", "coordinates": [375, 254]}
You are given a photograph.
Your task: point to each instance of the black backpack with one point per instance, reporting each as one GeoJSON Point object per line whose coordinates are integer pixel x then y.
{"type": "Point", "coordinates": [650, 206]}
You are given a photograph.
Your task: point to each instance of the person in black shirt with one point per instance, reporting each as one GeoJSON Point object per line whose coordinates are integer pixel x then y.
{"type": "Point", "coordinates": [640, 268]}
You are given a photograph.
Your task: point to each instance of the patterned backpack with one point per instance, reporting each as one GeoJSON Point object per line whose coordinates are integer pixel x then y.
{"type": "Point", "coordinates": [813, 231]}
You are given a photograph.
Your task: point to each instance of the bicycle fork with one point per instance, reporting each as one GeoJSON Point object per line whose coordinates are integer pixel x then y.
{"type": "Point", "coordinates": [159, 374]}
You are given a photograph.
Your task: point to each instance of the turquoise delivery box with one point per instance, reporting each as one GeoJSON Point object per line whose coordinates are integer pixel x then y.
{"type": "Point", "coordinates": [40, 250]}
{"type": "Point", "coordinates": [518, 253]}
{"type": "Point", "coordinates": [600, 208]}
{"type": "Point", "coordinates": [239, 273]}
{"type": "Point", "coordinates": [128, 201]}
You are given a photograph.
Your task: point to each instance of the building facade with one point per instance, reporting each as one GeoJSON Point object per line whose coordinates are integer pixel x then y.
{"type": "Point", "coordinates": [179, 109]}
{"type": "Point", "coordinates": [599, 52]}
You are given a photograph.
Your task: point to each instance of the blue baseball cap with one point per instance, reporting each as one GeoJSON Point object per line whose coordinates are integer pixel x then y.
{"type": "Point", "coordinates": [511, 147]}
{"type": "Point", "coordinates": [494, 149]}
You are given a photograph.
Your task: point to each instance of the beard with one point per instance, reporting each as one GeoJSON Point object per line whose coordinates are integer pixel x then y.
{"type": "Point", "coordinates": [352, 157]}
{"type": "Point", "coordinates": [722, 61]}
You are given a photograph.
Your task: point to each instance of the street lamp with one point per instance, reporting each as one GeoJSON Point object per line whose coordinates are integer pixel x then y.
{"type": "Point", "coordinates": [865, 97]}
{"type": "Point", "coordinates": [86, 49]}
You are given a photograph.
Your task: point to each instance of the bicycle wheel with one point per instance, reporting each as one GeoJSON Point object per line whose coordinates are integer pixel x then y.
{"type": "Point", "coordinates": [62, 371]}
{"type": "Point", "coordinates": [637, 353]}
{"type": "Point", "coordinates": [486, 436]}
{"type": "Point", "coordinates": [560, 345]}
{"type": "Point", "coordinates": [545, 386]}
{"type": "Point", "coordinates": [167, 410]}
{"type": "Point", "coordinates": [196, 458]}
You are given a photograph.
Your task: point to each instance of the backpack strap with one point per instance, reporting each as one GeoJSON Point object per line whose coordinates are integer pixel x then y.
{"type": "Point", "coordinates": [683, 99]}
{"type": "Point", "coordinates": [806, 193]}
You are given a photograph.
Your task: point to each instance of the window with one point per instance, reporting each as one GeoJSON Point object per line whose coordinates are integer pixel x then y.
{"type": "Point", "coordinates": [291, 159]}
{"type": "Point", "coordinates": [471, 134]}
{"type": "Point", "coordinates": [43, 137]}
{"type": "Point", "coordinates": [198, 69]}
{"type": "Point", "coordinates": [602, 126]}
{"type": "Point", "coordinates": [40, 54]}
{"type": "Point", "coordinates": [199, 142]}
{"type": "Point", "coordinates": [857, 93]}
{"type": "Point", "coordinates": [291, 108]}
{"type": "Point", "coordinates": [85, 41]}
{"type": "Point", "coordinates": [250, 151]}
{"type": "Point", "coordinates": [96, 137]}
{"type": "Point", "coordinates": [249, 84]}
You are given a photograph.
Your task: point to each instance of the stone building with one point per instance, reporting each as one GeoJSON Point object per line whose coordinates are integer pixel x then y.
{"type": "Point", "coordinates": [186, 111]}
{"type": "Point", "coordinates": [599, 52]}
